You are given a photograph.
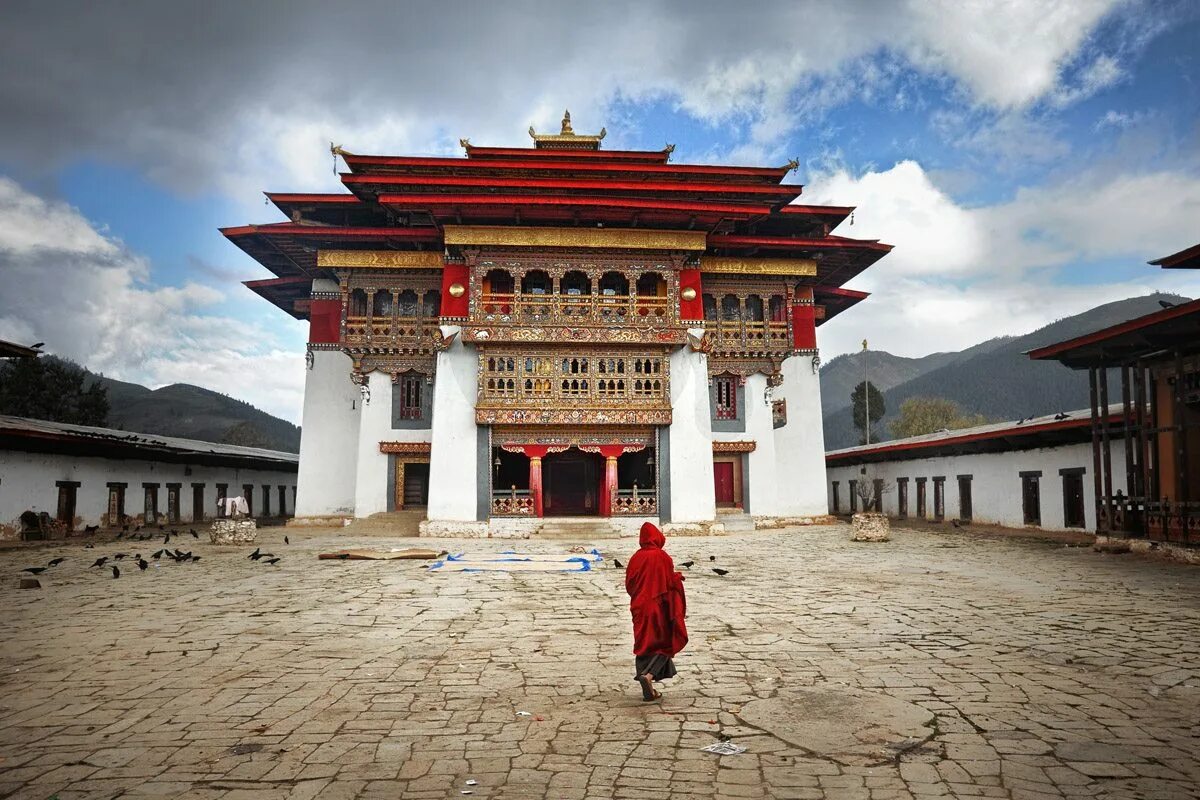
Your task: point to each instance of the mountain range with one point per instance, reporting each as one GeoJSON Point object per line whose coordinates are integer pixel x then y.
{"type": "Point", "coordinates": [191, 412]}
{"type": "Point", "coordinates": [994, 378]}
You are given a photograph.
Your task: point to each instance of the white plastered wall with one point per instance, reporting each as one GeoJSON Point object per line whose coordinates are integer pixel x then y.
{"type": "Point", "coordinates": [453, 471]}
{"type": "Point", "coordinates": [375, 427]}
{"type": "Point", "coordinates": [693, 496]}
{"type": "Point", "coordinates": [28, 482]}
{"type": "Point", "coordinates": [800, 444]}
{"type": "Point", "coordinates": [759, 492]}
{"type": "Point", "coordinates": [995, 482]}
{"type": "Point", "coordinates": [328, 433]}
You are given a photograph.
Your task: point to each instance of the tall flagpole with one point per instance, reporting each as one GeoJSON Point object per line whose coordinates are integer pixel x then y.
{"type": "Point", "coordinates": [866, 393]}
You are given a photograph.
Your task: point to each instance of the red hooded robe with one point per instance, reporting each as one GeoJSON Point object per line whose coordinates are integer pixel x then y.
{"type": "Point", "coordinates": [656, 598]}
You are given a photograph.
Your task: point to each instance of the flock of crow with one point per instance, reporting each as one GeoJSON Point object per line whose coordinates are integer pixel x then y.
{"type": "Point", "coordinates": [177, 555]}
{"type": "Point", "coordinates": [685, 564]}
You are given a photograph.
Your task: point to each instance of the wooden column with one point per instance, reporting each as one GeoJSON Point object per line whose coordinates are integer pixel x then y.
{"type": "Point", "coordinates": [610, 486]}
{"type": "Point", "coordinates": [535, 484]}
{"type": "Point", "coordinates": [1096, 486]}
{"type": "Point", "coordinates": [1104, 440]}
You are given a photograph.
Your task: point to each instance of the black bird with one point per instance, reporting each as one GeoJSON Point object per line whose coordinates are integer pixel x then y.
{"type": "Point", "coordinates": [192, 531]}
{"type": "Point", "coordinates": [36, 346]}
{"type": "Point", "coordinates": [285, 540]}
{"type": "Point", "coordinates": [180, 554]}
{"type": "Point", "coordinates": [142, 564]}
{"type": "Point", "coordinates": [272, 561]}
{"type": "Point", "coordinates": [157, 555]}
{"type": "Point", "coordinates": [34, 570]}
{"type": "Point", "coordinates": [617, 563]}
{"type": "Point", "coordinates": [687, 564]}
{"type": "Point", "coordinates": [1061, 415]}
{"type": "Point", "coordinates": [712, 558]}
{"type": "Point", "coordinates": [1166, 304]}
{"type": "Point", "coordinates": [88, 530]}
{"type": "Point", "coordinates": [116, 572]}
{"type": "Point", "coordinates": [195, 559]}
{"type": "Point", "coordinates": [119, 556]}
{"type": "Point", "coordinates": [167, 539]}
{"type": "Point", "coordinates": [254, 556]}
{"type": "Point", "coordinates": [56, 561]}
{"type": "Point", "coordinates": [720, 571]}
{"type": "Point", "coordinates": [99, 562]}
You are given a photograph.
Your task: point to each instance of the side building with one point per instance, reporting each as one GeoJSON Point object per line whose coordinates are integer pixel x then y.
{"type": "Point", "coordinates": [1034, 473]}
{"type": "Point", "coordinates": [559, 331]}
{"type": "Point", "coordinates": [82, 476]}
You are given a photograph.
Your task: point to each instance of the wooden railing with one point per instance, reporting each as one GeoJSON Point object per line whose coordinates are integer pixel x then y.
{"type": "Point", "coordinates": [512, 503]}
{"type": "Point", "coordinates": [541, 309]}
{"type": "Point", "coordinates": [635, 502]}
{"type": "Point", "coordinates": [364, 330]}
{"type": "Point", "coordinates": [748, 335]}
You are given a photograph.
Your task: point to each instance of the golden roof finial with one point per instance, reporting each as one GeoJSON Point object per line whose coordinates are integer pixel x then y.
{"type": "Point", "coordinates": [566, 124]}
{"type": "Point", "coordinates": [567, 138]}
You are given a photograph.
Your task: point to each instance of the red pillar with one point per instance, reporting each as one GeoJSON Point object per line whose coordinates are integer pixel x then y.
{"type": "Point", "coordinates": [610, 486]}
{"type": "Point", "coordinates": [535, 483]}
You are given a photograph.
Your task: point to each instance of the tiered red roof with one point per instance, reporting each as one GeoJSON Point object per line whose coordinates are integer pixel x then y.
{"type": "Point", "coordinates": [402, 203]}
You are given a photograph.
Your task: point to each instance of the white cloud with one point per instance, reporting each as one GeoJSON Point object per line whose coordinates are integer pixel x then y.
{"type": "Point", "coordinates": [89, 298]}
{"type": "Point", "coordinates": [961, 275]}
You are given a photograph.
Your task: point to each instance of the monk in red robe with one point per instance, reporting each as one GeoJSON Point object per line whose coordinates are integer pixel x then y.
{"type": "Point", "coordinates": [658, 605]}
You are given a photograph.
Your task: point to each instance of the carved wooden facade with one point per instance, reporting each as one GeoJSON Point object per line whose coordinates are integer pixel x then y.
{"type": "Point", "coordinates": [390, 320]}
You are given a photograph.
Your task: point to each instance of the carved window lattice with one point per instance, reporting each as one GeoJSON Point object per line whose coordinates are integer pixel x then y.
{"type": "Point", "coordinates": [545, 379]}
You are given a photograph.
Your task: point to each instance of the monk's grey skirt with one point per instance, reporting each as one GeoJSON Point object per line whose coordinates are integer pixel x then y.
{"type": "Point", "coordinates": [659, 666]}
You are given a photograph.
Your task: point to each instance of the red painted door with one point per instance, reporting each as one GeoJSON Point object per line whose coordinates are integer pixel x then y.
{"type": "Point", "coordinates": [723, 478]}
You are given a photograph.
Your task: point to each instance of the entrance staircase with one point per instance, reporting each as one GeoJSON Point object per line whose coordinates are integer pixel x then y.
{"type": "Point", "coordinates": [735, 520]}
{"type": "Point", "coordinates": [579, 529]}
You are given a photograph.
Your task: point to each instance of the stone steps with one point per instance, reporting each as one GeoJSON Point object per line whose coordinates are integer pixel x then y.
{"type": "Point", "coordinates": [583, 529]}
{"type": "Point", "coordinates": [734, 519]}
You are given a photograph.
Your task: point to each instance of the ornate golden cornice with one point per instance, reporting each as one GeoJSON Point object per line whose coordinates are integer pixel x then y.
{"type": "Point", "coordinates": [734, 447]}
{"type": "Point", "coordinates": [380, 259]}
{"type": "Point", "coordinates": [406, 448]}
{"type": "Point", "coordinates": [758, 266]}
{"type": "Point", "coordinates": [626, 238]}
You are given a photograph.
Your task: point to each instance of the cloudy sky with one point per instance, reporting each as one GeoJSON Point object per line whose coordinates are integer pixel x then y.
{"type": "Point", "coordinates": [1026, 158]}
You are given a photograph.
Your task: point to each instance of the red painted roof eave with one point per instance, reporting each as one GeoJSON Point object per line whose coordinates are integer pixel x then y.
{"type": "Point", "coordinates": [267, 283]}
{"type": "Point", "coordinates": [1188, 258]}
{"type": "Point", "coordinates": [1081, 422]}
{"type": "Point", "coordinates": [782, 190]}
{"type": "Point", "coordinates": [820, 211]}
{"type": "Point", "coordinates": [838, 291]}
{"type": "Point", "coordinates": [786, 243]}
{"type": "Point", "coordinates": [438, 200]}
{"type": "Point", "coordinates": [1059, 348]}
{"type": "Point", "coordinates": [470, 163]}
{"type": "Point", "coordinates": [331, 232]}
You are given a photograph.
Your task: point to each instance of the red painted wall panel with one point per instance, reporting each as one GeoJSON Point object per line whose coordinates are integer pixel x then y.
{"type": "Point", "coordinates": [325, 321]}
{"type": "Point", "coordinates": [455, 306]}
{"type": "Point", "coordinates": [804, 326]}
{"type": "Point", "coordinates": [690, 309]}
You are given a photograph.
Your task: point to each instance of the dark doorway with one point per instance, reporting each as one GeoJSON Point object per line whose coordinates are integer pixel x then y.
{"type": "Point", "coordinates": [571, 484]}
{"type": "Point", "coordinates": [1073, 514]}
{"type": "Point", "coordinates": [853, 497]}
{"type": "Point", "coordinates": [1031, 499]}
{"type": "Point", "coordinates": [902, 497]}
{"type": "Point", "coordinates": [197, 502]}
{"type": "Point", "coordinates": [173, 502]}
{"type": "Point", "coordinates": [416, 485]}
{"type": "Point", "coordinates": [66, 503]}
{"type": "Point", "coordinates": [939, 499]}
{"type": "Point", "coordinates": [921, 498]}
{"type": "Point", "coordinates": [964, 498]}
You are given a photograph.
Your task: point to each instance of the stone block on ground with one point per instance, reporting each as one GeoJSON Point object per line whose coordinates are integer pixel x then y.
{"type": "Point", "coordinates": [870, 528]}
{"type": "Point", "coordinates": [233, 531]}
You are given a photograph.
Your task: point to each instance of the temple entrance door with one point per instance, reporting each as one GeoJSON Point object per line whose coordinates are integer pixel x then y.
{"type": "Point", "coordinates": [416, 485]}
{"type": "Point", "coordinates": [723, 479]}
{"type": "Point", "coordinates": [572, 482]}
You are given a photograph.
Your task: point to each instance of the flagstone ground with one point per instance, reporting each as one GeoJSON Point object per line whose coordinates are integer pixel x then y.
{"type": "Point", "coordinates": [1052, 671]}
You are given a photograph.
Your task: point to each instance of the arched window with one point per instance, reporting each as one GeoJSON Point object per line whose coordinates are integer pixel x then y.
{"type": "Point", "coordinates": [614, 284]}
{"type": "Point", "coordinates": [407, 303]}
{"type": "Point", "coordinates": [535, 281]}
{"type": "Point", "coordinates": [431, 304]}
{"type": "Point", "coordinates": [710, 306]}
{"type": "Point", "coordinates": [497, 281]}
{"type": "Point", "coordinates": [778, 309]}
{"type": "Point", "coordinates": [358, 303]}
{"type": "Point", "coordinates": [575, 283]}
{"type": "Point", "coordinates": [382, 305]}
{"type": "Point", "coordinates": [652, 295]}
{"type": "Point", "coordinates": [754, 308]}
{"type": "Point", "coordinates": [731, 307]}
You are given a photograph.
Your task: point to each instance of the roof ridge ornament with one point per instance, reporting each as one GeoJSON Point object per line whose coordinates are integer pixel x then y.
{"type": "Point", "coordinates": [792, 165]}
{"type": "Point", "coordinates": [566, 138]}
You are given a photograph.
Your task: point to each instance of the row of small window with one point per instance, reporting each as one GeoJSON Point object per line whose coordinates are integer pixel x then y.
{"type": "Point", "coordinates": [871, 497]}
{"type": "Point", "coordinates": [407, 303]}
{"type": "Point", "coordinates": [68, 494]}
{"type": "Point", "coordinates": [577, 366]}
{"type": "Point", "coordinates": [573, 283]}
{"type": "Point", "coordinates": [732, 308]}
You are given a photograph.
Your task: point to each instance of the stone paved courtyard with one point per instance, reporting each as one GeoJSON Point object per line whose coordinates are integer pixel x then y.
{"type": "Point", "coordinates": [1050, 671]}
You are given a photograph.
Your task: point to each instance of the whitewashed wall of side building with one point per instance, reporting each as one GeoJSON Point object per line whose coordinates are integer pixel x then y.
{"type": "Point", "coordinates": [28, 481]}
{"type": "Point", "coordinates": [995, 483]}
